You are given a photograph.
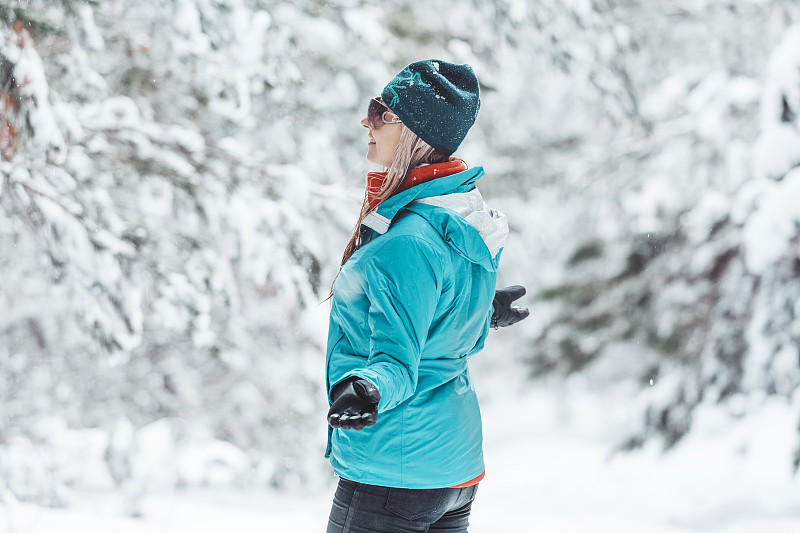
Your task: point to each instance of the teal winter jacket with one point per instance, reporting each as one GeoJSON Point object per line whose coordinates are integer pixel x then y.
{"type": "Point", "coordinates": [409, 308]}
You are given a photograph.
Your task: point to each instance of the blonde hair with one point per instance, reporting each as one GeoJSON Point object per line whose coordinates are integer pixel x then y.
{"type": "Point", "coordinates": [411, 152]}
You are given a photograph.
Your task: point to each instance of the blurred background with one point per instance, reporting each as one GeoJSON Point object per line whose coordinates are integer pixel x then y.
{"type": "Point", "coordinates": [179, 179]}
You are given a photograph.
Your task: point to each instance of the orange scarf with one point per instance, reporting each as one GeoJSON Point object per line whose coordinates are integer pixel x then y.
{"type": "Point", "coordinates": [417, 176]}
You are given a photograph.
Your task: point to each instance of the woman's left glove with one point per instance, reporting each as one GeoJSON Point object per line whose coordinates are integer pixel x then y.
{"type": "Point", "coordinates": [506, 314]}
{"type": "Point", "coordinates": [355, 405]}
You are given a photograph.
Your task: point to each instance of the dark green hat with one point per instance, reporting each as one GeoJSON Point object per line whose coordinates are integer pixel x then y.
{"type": "Point", "coordinates": [436, 100]}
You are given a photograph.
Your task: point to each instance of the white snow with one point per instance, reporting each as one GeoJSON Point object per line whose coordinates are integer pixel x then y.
{"type": "Point", "coordinates": [550, 468]}
{"type": "Point", "coordinates": [770, 228]}
{"type": "Point", "coordinates": [30, 71]}
{"type": "Point", "coordinates": [92, 35]}
{"type": "Point", "coordinates": [778, 147]}
{"type": "Point", "coordinates": [712, 207]}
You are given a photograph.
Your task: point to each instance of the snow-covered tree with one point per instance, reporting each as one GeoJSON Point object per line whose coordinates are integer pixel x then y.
{"type": "Point", "coordinates": [699, 300]}
{"type": "Point", "coordinates": [161, 241]}
{"type": "Point", "coordinates": [178, 180]}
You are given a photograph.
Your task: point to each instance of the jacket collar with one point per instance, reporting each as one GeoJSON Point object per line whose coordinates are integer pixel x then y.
{"type": "Point", "coordinates": [380, 219]}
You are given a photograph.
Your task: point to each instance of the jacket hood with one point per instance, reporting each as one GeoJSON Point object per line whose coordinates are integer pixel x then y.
{"type": "Point", "coordinates": [455, 208]}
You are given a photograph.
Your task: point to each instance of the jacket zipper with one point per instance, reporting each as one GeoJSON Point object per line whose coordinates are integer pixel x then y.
{"type": "Point", "coordinates": [329, 446]}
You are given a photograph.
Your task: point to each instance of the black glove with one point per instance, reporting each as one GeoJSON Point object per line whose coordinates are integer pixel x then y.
{"type": "Point", "coordinates": [355, 404]}
{"type": "Point", "coordinates": [504, 313]}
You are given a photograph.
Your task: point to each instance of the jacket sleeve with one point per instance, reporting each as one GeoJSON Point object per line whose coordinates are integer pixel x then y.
{"type": "Point", "coordinates": [403, 285]}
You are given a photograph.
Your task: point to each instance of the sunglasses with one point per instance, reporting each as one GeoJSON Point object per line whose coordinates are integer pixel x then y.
{"type": "Point", "coordinates": [379, 114]}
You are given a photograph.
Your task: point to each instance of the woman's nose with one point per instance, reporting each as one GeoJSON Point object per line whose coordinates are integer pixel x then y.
{"type": "Point", "coordinates": [365, 122]}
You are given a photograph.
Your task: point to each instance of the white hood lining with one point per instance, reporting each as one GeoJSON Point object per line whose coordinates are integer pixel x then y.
{"type": "Point", "coordinates": [492, 225]}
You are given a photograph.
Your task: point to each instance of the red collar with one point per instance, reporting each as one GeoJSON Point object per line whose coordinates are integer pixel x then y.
{"type": "Point", "coordinates": [417, 176]}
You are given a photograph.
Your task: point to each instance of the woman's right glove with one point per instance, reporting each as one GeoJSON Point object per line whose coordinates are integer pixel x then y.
{"type": "Point", "coordinates": [355, 405]}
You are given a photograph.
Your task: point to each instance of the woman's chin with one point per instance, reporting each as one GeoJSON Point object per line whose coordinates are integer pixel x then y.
{"type": "Point", "coordinates": [372, 158]}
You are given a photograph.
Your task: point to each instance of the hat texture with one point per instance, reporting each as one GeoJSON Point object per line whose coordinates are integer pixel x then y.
{"type": "Point", "coordinates": [437, 100]}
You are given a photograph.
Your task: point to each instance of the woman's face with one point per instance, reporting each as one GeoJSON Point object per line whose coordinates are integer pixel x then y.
{"type": "Point", "coordinates": [383, 139]}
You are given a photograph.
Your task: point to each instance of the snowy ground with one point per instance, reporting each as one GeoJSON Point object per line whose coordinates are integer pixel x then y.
{"type": "Point", "coordinates": [558, 475]}
{"type": "Point", "coordinates": [549, 469]}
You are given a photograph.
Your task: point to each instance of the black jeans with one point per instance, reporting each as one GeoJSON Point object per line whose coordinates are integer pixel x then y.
{"type": "Point", "coordinates": [360, 508]}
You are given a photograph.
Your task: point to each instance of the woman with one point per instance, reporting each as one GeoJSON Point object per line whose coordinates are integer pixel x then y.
{"type": "Point", "coordinates": [412, 302]}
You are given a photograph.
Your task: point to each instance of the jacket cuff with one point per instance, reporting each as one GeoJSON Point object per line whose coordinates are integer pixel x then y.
{"type": "Point", "coordinates": [360, 373]}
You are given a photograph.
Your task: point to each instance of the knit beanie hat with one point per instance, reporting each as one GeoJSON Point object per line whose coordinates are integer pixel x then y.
{"type": "Point", "coordinates": [436, 100]}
